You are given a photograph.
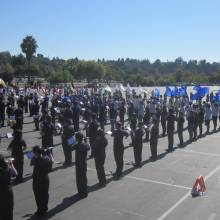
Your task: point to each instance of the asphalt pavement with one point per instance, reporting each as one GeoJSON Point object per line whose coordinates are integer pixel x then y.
{"type": "Point", "coordinates": [159, 190]}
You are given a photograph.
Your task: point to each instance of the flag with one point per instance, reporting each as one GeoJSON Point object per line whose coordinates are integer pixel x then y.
{"type": "Point", "coordinates": [168, 91]}
{"type": "Point", "coordinates": [195, 96]}
{"type": "Point", "coordinates": [29, 154]}
{"type": "Point", "coordinates": [183, 91]}
{"type": "Point", "coordinates": [175, 91]}
{"type": "Point", "coordinates": [196, 88]}
{"type": "Point", "coordinates": [216, 98]}
{"type": "Point", "coordinates": [202, 91]}
{"type": "Point", "coordinates": [156, 92]}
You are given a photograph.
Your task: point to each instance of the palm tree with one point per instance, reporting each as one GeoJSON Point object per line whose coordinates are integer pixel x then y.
{"type": "Point", "coordinates": [28, 47]}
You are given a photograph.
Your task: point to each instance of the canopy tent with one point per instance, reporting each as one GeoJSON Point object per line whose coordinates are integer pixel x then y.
{"type": "Point", "coordinates": [121, 88]}
{"type": "Point", "coordinates": [142, 90]}
{"type": "Point", "coordinates": [108, 89]}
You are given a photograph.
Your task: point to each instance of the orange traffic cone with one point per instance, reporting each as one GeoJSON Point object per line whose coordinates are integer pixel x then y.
{"type": "Point", "coordinates": [198, 187]}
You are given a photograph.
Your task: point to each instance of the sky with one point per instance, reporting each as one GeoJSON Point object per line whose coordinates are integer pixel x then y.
{"type": "Point", "coordinates": [112, 29]}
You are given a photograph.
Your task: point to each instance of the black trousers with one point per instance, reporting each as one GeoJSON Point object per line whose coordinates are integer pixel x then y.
{"type": "Point", "coordinates": [6, 203]}
{"type": "Point", "coordinates": [119, 154]}
{"type": "Point", "coordinates": [195, 131]}
{"type": "Point", "coordinates": [138, 154]}
{"type": "Point", "coordinates": [147, 135]}
{"type": "Point", "coordinates": [26, 107]}
{"type": "Point", "coordinates": [190, 130]}
{"type": "Point", "coordinates": [19, 164]}
{"type": "Point", "coordinates": [207, 123]}
{"type": "Point", "coordinates": [81, 180]}
{"type": "Point", "coordinates": [180, 135]}
{"type": "Point", "coordinates": [153, 147]}
{"type": "Point", "coordinates": [76, 126]}
{"type": "Point", "coordinates": [91, 141]}
{"type": "Point", "coordinates": [122, 119]}
{"type": "Point", "coordinates": [99, 165]}
{"type": "Point", "coordinates": [67, 153]}
{"type": "Point", "coordinates": [2, 120]}
{"type": "Point", "coordinates": [200, 128]}
{"type": "Point", "coordinates": [214, 119]}
{"type": "Point", "coordinates": [102, 124]}
{"type": "Point", "coordinates": [41, 193]}
{"type": "Point", "coordinates": [170, 139]}
{"type": "Point", "coordinates": [36, 123]}
{"type": "Point", "coordinates": [163, 124]}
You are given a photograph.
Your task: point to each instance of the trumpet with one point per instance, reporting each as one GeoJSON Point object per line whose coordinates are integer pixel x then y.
{"type": "Point", "coordinates": [11, 123]}
{"type": "Point", "coordinates": [58, 128]}
{"type": "Point", "coordinates": [9, 160]}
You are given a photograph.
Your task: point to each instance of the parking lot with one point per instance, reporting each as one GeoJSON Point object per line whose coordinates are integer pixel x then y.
{"type": "Point", "coordinates": [158, 190]}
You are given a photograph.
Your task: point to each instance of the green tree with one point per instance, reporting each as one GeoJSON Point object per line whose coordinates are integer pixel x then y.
{"type": "Point", "coordinates": [6, 72]}
{"type": "Point", "coordinates": [28, 47]}
{"type": "Point", "coordinates": [90, 70]}
{"type": "Point", "coordinates": [67, 77]}
{"type": "Point", "coordinates": [178, 76]}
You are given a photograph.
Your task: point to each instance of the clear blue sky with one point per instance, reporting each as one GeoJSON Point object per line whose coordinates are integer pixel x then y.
{"type": "Point", "coordinates": [91, 29]}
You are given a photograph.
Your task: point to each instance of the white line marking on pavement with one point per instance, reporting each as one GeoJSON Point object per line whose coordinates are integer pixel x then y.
{"type": "Point", "coordinates": [198, 152]}
{"type": "Point", "coordinates": [151, 181]}
{"type": "Point", "coordinates": [172, 208]}
{"type": "Point", "coordinates": [158, 182]}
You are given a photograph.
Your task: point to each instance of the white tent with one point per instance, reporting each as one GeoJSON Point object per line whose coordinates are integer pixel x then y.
{"type": "Point", "coordinates": [121, 87]}
{"type": "Point", "coordinates": [108, 89]}
{"type": "Point", "coordinates": [129, 89]}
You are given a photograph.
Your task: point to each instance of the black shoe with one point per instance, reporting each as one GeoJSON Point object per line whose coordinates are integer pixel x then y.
{"type": "Point", "coordinates": [19, 180]}
{"type": "Point", "coordinates": [180, 144]}
{"type": "Point", "coordinates": [82, 195]}
{"type": "Point", "coordinates": [117, 175]}
{"type": "Point", "coordinates": [65, 164]}
{"type": "Point", "coordinates": [153, 158]}
{"type": "Point", "coordinates": [40, 213]}
{"type": "Point", "coordinates": [102, 184]}
{"type": "Point", "coordinates": [136, 165]}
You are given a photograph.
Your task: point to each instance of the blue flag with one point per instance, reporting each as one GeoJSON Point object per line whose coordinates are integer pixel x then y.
{"type": "Point", "coordinates": [156, 92]}
{"type": "Point", "coordinates": [202, 91]}
{"type": "Point", "coordinates": [216, 98]}
{"type": "Point", "coordinates": [175, 91]}
{"type": "Point", "coordinates": [196, 88]}
{"type": "Point", "coordinates": [168, 91]}
{"type": "Point", "coordinates": [183, 91]}
{"type": "Point", "coordinates": [195, 97]}
{"type": "Point", "coordinates": [29, 154]}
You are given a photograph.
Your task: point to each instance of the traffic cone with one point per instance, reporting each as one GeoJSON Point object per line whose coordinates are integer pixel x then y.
{"type": "Point", "coordinates": [198, 187]}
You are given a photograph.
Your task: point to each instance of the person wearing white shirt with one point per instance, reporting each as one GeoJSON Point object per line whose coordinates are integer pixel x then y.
{"type": "Point", "coordinates": [214, 115]}
{"type": "Point", "coordinates": [208, 117]}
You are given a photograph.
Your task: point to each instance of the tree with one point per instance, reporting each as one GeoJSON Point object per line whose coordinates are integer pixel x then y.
{"type": "Point", "coordinates": [178, 76]}
{"type": "Point", "coordinates": [28, 47]}
{"type": "Point", "coordinates": [5, 57]}
{"type": "Point", "coordinates": [89, 70]}
{"type": "Point", "coordinates": [6, 72]}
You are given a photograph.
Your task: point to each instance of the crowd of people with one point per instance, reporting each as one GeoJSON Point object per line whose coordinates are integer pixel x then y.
{"type": "Point", "coordinates": [81, 116]}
